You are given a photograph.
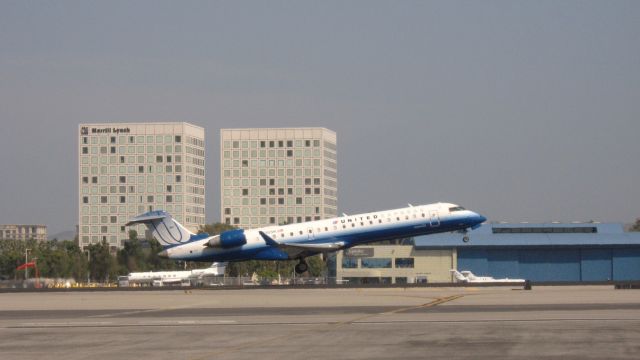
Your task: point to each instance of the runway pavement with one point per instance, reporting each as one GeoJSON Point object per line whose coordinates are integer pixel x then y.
{"type": "Point", "coordinates": [414, 323]}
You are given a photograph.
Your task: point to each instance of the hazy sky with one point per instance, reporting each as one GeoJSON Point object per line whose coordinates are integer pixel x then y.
{"type": "Point", "coordinates": [521, 110]}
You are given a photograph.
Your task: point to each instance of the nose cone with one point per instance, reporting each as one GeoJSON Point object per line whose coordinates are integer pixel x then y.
{"type": "Point", "coordinates": [479, 218]}
{"type": "Point", "coordinates": [163, 254]}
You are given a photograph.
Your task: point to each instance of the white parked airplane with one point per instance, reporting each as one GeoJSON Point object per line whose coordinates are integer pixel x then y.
{"type": "Point", "coordinates": [159, 278]}
{"type": "Point", "coordinates": [298, 241]}
{"type": "Point", "coordinates": [468, 277]}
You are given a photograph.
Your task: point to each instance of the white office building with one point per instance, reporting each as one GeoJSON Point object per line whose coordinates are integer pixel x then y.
{"type": "Point", "coordinates": [277, 176]}
{"type": "Point", "coordinates": [129, 168]}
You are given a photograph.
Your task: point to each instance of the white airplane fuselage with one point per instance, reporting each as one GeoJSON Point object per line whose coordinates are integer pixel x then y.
{"type": "Point", "coordinates": [279, 242]}
{"type": "Point", "coordinates": [173, 276]}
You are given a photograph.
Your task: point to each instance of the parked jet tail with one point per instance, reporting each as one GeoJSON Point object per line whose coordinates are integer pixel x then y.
{"type": "Point", "coordinates": [164, 228]}
{"type": "Point", "coordinates": [459, 276]}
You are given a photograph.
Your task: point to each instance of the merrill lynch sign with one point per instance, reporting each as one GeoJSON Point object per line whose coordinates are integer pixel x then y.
{"type": "Point", "coordinates": [108, 130]}
{"type": "Point", "coordinates": [359, 252]}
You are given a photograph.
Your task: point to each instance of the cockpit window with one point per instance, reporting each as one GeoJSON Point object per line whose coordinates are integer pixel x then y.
{"type": "Point", "coordinates": [456, 208]}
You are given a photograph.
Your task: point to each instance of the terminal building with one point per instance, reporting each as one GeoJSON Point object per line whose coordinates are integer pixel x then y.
{"type": "Point", "coordinates": [557, 252]}
{"type": "Point", "coordinates": [275, 176]}
{"type": "Point", "coordinates": [23, 232]}
{"type": "Point", "coordinates": [125, 169]}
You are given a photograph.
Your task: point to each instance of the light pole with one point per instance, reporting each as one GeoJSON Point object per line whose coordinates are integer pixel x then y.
{"type": "Point", "coordinates": [26, 260]}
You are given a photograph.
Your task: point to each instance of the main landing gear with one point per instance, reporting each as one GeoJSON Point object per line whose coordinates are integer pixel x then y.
{"type": "Point", "coordinates": [301, 267]}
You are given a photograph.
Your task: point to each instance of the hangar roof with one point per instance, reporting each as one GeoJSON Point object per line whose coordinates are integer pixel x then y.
{"type": "Point", "coordinates": [526, 234]}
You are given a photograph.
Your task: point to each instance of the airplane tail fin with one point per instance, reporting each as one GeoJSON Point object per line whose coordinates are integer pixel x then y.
{"type": "Point", "coordinates": [163, 227]}
{"type": "Point", "coordinates": [458, 275]}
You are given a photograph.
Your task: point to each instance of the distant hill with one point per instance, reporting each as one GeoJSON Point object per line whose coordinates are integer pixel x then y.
{"type": "Point", "coordinates": [65, 235]}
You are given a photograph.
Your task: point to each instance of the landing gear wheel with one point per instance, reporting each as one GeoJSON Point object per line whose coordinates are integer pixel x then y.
{"type": "Point", "coordinates": [465, 238]}
{"type": "Point", "coordinates": [301, 267]}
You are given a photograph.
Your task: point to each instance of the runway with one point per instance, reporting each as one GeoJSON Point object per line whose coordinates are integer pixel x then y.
{"type": "Point", "coordinates": [414, 323]}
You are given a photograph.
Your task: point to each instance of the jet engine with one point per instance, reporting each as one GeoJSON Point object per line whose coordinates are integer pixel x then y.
{"type": "Point", "coordinates": [228, 239]}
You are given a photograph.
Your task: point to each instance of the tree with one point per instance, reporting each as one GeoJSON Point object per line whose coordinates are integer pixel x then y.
{"type": "Point", "coordinates": [635, 226]}
{"type": "Point", "coordinates": [131, 257]}
{"type": "Point", "coordinates": [215, 228]}
{"type": "Point", "coordinates": [103, 267]}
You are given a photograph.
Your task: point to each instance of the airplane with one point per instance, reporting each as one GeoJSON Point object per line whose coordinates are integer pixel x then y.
{"type": "Point", "coordinates": [300, 240]}
{"type": "Point", "coordinates": [159, 278]}
{"type": "Point", "coordinates": [468, 277]}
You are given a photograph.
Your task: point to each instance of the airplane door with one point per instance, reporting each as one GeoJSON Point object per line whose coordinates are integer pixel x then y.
{"type": "Point", "coordinates": [434, 218]}
{"type": "Point", "coordinates": [310, 233]}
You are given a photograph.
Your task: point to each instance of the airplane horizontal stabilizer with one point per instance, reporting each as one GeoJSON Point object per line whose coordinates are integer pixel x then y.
{"type": "Point", "coordinates": [147, 218]}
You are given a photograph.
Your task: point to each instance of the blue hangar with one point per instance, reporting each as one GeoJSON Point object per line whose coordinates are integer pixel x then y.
{"type": "Point", "coordinates": [553, 252]}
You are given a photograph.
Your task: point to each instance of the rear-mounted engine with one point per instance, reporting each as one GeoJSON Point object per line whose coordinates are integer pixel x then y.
{"type": "Point", "coordinates": [228, 239]}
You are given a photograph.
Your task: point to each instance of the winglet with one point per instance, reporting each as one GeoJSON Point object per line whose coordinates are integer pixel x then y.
{"type": "Point", "coordinates": [268, 239]}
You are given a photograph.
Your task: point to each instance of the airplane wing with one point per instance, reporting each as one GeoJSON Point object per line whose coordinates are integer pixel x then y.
{"type": "Point", "coordinates": [295, 250]}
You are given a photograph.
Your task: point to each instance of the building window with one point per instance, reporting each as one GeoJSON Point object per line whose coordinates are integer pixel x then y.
{"type": "Point", "coordinates": [103, 199]}
{"type": "Point", "coordinates": [85, 150]}
{"type": "Point", "coordinates": [227, 211]}
{"type": "Point", "coordinates": [298, 201]}
{"type": "Point", "coordinates": [178, 138]}
{"type": "Point", "coordinates": [150, 198]}
{"type": "Point", "coordinates": [545, 230]}
{"type": "Point", "coordinates": [85, 199]}
{"type": "Point", "coordinates": [376, 263]}
{"type": "Point", "coordinates": [245, 192]}
{"type": "Point", "coordinates": [349, 262]}
{"type": "Point", "coordinates": [169, 198]}
{"type": "Point", "coordinates": [404, 262]}
{"type": "Point", "coordinates": [85, 179]}
{"type": "Point", "coordinates": [123, 179]}
{"type": "Point", "coordinates": [122, 199]}
{"type": "Point", "coordinates": [94, 179]}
